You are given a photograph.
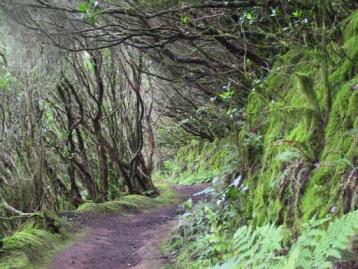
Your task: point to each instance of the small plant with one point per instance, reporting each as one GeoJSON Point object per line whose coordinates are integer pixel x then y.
{"type": "Point", "coordinates": [227, 95]}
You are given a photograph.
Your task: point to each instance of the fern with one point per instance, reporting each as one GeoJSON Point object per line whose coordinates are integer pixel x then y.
{"type": "Point", "coordinates": [319, 249]}
{"type": "Point", "coordinates": [256, 248]}
{"type": "Point", "coordinates": [316, 248]}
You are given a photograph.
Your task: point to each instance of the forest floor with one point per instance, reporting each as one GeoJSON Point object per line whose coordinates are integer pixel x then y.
{"type": "Point", "coordinates": [115, 241]}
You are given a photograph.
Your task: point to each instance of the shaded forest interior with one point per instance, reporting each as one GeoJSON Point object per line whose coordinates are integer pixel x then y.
{"type": "Point", "coordinates": [104, 99]}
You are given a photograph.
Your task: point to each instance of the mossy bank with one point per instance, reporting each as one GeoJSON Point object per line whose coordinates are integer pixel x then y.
{"type": "Point", "coordinates": [34, 245]}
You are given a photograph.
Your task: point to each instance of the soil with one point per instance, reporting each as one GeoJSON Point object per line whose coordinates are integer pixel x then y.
{"type": "Point", "coordinates": [115, 241]}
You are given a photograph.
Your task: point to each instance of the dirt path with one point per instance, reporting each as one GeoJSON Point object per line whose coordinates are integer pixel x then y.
{"type": "Point", "coordinates": [118, 242]}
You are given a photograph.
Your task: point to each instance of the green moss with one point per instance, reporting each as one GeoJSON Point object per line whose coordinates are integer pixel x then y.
{"type": "Point", "coordinates": [132, 203]}
{"type": "Point", "coordinates": [347, 69]}
{"type": "Point", "coordinates": [323, 191]}
{"type": "Point", "coordinates": [286, 130]}
{"type": "Point", "coordinates": [294, 122]}
{"type": "Point", "coordinates": [32, 247]}
{"type": "Point", "coordinates": [315, 198]}
{"type": "Point", "coordinates": [201, 162]}
{"type": "Point", "coordinates": [351, 27]}
{"type": "Point", "coordinates": [286, 112]}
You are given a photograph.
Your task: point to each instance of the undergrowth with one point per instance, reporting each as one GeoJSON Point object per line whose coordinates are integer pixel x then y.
{"type": "Point", "coordinates": [317, 247]}
{"type": "Point", "coordinates": [202, 161]}
{"type": "Point", "coordinates": [215, 235]}
{"type": "Point", "coordinates": [295, 205]}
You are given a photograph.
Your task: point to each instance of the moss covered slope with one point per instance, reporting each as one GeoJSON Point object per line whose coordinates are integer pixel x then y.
{"type": "Point", "coordinates": [201, 162]}
{"type": "Point", "coordinates": [33, 245]}
{"type": "Point", "coordinates": [298, 158]}
{"type": "Point", "coordinates": [309, 156]}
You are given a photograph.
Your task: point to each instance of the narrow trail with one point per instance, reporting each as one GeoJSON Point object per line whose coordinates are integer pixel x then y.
{"type": "Point", "coordinates": [117, 242]}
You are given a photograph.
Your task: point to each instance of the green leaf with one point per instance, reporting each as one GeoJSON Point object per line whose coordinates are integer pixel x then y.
{"type": "Point", "coordinates": [184, 19]}
{"type": "Point", "coordinates": [188, 204]}
{"type": "Point", "coordinates": [83, 8]}
{"type": "Point", "coordinates": [249, 16]}
{"type": "Point", "coordinates": [232, 194]}
{"type": "Point", "coordinates": [297, 14]}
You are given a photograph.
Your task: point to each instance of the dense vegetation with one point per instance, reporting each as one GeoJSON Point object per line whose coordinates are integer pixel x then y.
{"type": "Point", "coordinates": [97, 98]}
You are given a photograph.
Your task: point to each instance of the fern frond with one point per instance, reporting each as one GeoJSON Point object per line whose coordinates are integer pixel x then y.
{"type": "Point", "coordinates": [316, 248]}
